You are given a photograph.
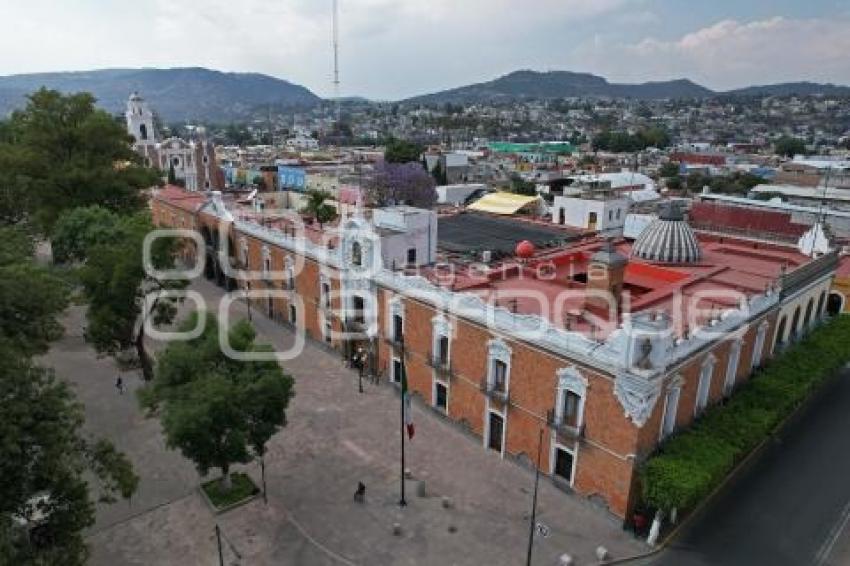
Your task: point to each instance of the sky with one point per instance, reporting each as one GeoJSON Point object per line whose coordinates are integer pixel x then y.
{"type": "Point", "coordinates": [392, 49]}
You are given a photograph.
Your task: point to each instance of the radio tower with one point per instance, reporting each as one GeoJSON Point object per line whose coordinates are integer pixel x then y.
{"type": "Point", "coordinates": [336, 58]}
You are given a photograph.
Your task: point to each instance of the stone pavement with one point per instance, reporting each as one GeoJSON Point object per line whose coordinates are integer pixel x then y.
{"type": "Point", "coordinates": [335, 438]}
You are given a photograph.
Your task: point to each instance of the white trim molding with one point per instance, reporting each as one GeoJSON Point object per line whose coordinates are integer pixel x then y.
{"type": "Point", "coordinates": [570, 380]}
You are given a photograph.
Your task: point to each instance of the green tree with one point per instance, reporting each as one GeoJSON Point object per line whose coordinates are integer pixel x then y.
{"type": "Point", "coordinates": [669, 169]}
{"type": "Point", "coordinates": [318, 208]}
{"type": "Point", "coordinates": [117, 284]}
{"type": "Point", "coordinates": [64, 153]}
{"type": "Point", "coordinates": [80, 229]}
{"type": "Point", "coordinates": [31, 296]}
{"type": "Point", "coordinates": [401, 151]}
{"type": "Point", "coordinates": [44, 461]}
{"type": "Point", "coordinates": [787, 146]}
{"type": "Point", "coordinates": [522, 187]}
{"type": "Point", "coordinates": [216, 410]}
{"type": "Point", "coordinates": [439, 174]}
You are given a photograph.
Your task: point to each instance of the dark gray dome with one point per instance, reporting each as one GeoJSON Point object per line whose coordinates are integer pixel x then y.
{"type": "Point", "coordinates": [669, 239]}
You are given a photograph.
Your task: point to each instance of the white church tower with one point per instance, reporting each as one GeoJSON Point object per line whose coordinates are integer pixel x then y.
{"type": "Point", "coordinates": [140, 121]}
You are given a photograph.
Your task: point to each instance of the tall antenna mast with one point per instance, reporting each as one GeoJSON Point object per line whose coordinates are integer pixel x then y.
{"type": "Point", "coordinates": [336, 58]}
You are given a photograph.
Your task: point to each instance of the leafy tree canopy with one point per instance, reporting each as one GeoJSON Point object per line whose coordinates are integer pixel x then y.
{"type": "Point", "coordinates": [401, 183]}
{"type": "Point", "coordinates": [318, 208]}
{"type": "Point", "coordinates": [787, 146]}
{"type": "Point", "coordinates": [522, 187]}
{"type": "Point", "coordinates": [44, 498]}
{"type": "Point", "coordinates": [401, 151]}
{"type": "Point", "coordinates": [80, 229]}
{"type": "Point", "coordinates": [116, 284]}
{"type": "Point", "coordinates": [620, 142]}
{"type": "Point", "coordinates": [216, 410]}
{"type": "Point", "coordinates": [32, 296]}
{"type": "Point", "coordinates": [61, 152]}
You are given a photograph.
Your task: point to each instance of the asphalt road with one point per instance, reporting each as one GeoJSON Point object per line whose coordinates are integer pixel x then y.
{"type": "Point", "coordinates": [791, 507]}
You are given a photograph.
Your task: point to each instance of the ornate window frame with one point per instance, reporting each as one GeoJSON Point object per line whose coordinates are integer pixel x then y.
{"type": "Point", "coordinates": [395, 307]}
{"type": "Point", "coordinates": [732, 365]}
{"type": "Point", "coordinates": [267, 261]}
{"type": "Point", "coordinates": [441, 327]}
{"type": "Point", "coordinates": [324, 297]}
{"type": "Point", "coordinates": [498, 350]}
{"type": "Point", "coordinates": [243, 251]}
{"type": "Point", "coordinates": [706, 376]}
{"type": "Point", "coordinates": [674, 388]}
{"type": "Point", "coordinates": [758, 346]}
{"type": "Point", "coordinates": [569, 379]}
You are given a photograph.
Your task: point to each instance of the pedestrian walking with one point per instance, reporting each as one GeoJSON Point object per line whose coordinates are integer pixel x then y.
{"type": "Point", "coordinates": [119, 384]}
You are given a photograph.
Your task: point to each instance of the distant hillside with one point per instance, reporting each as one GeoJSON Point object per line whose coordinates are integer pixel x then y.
{"type": "Point", "coordinates": [561, 84]}
{"type": "Point", "coordinates": [175, 94]}
{"type": "Point", "coordinates": [789, 89]}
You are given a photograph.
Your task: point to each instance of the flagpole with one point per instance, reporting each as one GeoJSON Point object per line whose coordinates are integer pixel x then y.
{"type": "Point", "coordinates": [534, 502]}
{"type": "Point", "coordinates": [402, 502]}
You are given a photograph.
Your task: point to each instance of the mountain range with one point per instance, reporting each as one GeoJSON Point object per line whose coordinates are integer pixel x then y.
{"type": "Point", "coordinates": [561, 84]}
{"type": "Point", "coordinates": [205, 95]}
{"type": "Point", "coordinates": [175, 94]}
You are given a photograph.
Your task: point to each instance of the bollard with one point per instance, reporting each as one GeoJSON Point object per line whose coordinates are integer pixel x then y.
{"type": "Point", "coordinates": [601, 553]}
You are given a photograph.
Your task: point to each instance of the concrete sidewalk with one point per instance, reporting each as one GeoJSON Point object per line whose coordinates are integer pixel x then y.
{"type": "Point", "coordinates": [336, 437]}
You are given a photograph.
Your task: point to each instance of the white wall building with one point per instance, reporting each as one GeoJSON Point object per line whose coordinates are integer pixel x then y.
{"type": "Point", "coordinates": [590, 214]}
{"type": "Point", "coordinates": [408, 235]}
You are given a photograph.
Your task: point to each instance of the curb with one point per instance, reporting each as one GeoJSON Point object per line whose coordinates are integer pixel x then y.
{"type": "Point", "coordinates": [736, 471]}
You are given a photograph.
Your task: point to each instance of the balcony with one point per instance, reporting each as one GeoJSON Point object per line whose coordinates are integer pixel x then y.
{"type": "Point", "coordinates": [562, 429]}
{"type": "Point", "coordinates": [495, 392]}
{"type": "Point", "coordinates": [441, 366]}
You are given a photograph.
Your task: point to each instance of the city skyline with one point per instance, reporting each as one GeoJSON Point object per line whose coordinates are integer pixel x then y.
{"type": "Point", "coordinates": [721, 46]}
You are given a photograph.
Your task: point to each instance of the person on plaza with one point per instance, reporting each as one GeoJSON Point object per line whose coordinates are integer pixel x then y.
{"type": "Point", "coordinates": [119, 384]}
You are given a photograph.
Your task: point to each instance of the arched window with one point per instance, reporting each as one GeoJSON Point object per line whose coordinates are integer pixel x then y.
{"type": "Point", "coordinates": [704, 386]}
{"type": "Point", "coordinates": [835, 303]}
{"type": "Point", "coordinates": [807, 320]}
{"type": "Point", "coordinates": [795, 323]}
{"type": "Point", "coordinates": [356, 254]}
{"type": "Point", "coordinates": [732, 367]}
{"type": "Point", "coordinates": [143, 132]}
{"type": "Point", "coordinates": [821, 303]}
{"type": "Point", "coordinates": [569, 399]}
{"type": "Point", "coordinates": [671, 407]}
{"type": "Point", "coordinates": [780, 334]}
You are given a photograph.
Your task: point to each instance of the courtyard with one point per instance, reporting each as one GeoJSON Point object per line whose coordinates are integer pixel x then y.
{"type": "Point", "coordinates": [466, 504]}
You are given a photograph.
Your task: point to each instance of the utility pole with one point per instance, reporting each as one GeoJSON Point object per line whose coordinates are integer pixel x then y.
{"type": "Point", "coordinates": [218, 540]}
{"type": "Point", "coordinates": [403, 502]}
{"type": "Point", "coordinates": [534, 501]}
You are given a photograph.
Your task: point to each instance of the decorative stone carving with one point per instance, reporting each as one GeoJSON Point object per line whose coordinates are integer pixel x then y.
{"type": "Point", "coordinates": [637, 396]}
{"type": "Point", "coordinates": [570, 379]}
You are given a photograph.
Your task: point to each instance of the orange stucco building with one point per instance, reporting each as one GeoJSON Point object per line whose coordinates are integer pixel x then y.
{"type": "Point", "coordinates": [488, 350]}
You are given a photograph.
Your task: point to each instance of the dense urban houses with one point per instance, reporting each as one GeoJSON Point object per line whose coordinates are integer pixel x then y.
{"type": "Point", "coordinates": [607, 345]}
{"type": "Point", "coordinates": [193, 162]}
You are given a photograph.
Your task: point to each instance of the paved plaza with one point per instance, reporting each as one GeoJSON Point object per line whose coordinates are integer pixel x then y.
{"type": "Point", "coordinates": [335, 438]}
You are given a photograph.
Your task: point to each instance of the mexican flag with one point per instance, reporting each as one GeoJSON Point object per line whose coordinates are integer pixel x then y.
{"type": "Point", "coordinates": [405, 399]}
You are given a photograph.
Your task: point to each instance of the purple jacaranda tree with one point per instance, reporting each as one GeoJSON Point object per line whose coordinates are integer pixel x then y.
{"type": "Point", "coordinates": [401, 183]}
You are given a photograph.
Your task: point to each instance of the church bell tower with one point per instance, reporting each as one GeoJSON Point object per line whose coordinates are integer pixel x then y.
{"type": "Point", "coordinates": [140, 121]}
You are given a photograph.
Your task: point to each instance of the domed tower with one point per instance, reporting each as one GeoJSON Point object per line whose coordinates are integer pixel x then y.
{"type": "Point", "coordinates": [140, 121]}
{"type": "Point", "coordinates": [669, 239]}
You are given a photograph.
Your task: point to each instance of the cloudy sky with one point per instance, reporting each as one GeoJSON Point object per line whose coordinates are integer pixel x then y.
{"type": "Point", "coordinates": [396, 48]}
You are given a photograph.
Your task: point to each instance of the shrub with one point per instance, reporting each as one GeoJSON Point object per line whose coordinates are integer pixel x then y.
{"type": "Point", "coordinates": [692, 463]}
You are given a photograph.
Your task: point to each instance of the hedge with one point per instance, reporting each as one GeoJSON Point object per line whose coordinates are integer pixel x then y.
{"type": "Point", "coordinates": [689, 465]}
